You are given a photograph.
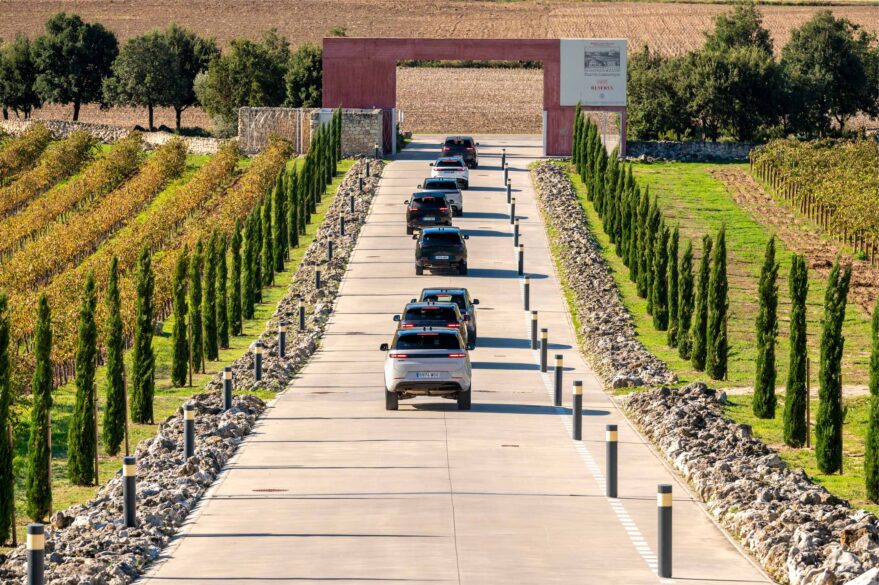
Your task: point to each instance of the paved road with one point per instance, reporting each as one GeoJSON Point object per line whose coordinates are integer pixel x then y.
{"type": "Point", "coordinates": [333, 488]}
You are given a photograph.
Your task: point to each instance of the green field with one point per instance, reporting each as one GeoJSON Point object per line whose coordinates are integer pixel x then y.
{"type": "Point", "coordinates": [168, 398]}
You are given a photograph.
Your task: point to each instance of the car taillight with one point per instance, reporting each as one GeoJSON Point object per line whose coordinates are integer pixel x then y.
{"type": "Point", "coordinates": [469, 148]}
{"type": "Point", "coordinates": [446, 149]}
{"type": "Point", "coordinates": [407, 326]}
{"type": "Point", "coordinates": [457, 355]}
{"type": "Point", "coordinates": [413, 209]}
{"type": "Point", "coordinates": [453, 325]}
{"type": "Point", "coordinates": [399, 355]}
{"type": "Point", "coordinates": [443, 208]}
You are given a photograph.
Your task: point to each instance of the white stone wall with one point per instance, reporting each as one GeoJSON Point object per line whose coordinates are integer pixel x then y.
{"type": "Point", "coordinates": [361, 129]}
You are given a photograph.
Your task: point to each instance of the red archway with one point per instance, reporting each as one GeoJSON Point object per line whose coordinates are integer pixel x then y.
{"type": "Point", "coordinates": [362, 73]}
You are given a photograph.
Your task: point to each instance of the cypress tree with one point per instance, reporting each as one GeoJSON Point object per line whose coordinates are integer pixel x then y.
{"type": "Point", "coordinates": [38, 489]}
{"type": "Point", "coordinates": [645, 243]}
{"type": "Point", "coordinates": [268, 252]}
{"type": "Point", "coordinates": [279, 227]}
{"type": "Point", "coordinates": [222, 294]}
{"type": "Point", "coordinates": [717, 343]}
{"type": "Point", "coordinates": [235, 280]}
{"type": "Point", "coordinates": [698, 341]}
{"type": "Point", "coordinates": [828, 423]}
{"type": "Point", "coordinates": [301, 199]}
{"type": "Point", "coordinates": [685, 301]}
{"type": "Point", "coordinates": [578, 123]}
{"type": "Point", "coordinates": [209, 301]}
{"type": "Point", "coordinates": [143, 361]}
{"type": "Point", "coordinates": [871, 457]}
{"type": "Point", "coordinates": [672, 279]}
{"type": "Point", "coordinates": [292, 211]}
{"type": "Point", "coordinates": [248, 269]}
{"type": "Point", "coordinates": [796, 427]}
{"type": "Point", "coordinates": [659, 288]}
{"type": "Point", "coordinates": [81, 434]}
{"type": "Point", "coordinates": [196, 325]}
{"type": "Point", "coordinates": [114, 413]}
{"type": "Point", "coordinates": [180, 339]}
{"type": "Point", "coordinates": [7, 455]}
{"type": "Point", "coordinates": [258, 267]}
{"type": "Point", "coordinates": [764, 400]}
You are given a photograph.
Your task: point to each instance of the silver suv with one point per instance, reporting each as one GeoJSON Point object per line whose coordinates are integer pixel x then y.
{"type": "Point", "coordinates": [430, 361]}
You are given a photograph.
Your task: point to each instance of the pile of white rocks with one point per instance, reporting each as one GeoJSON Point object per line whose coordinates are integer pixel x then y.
{"type": "Point", "coordinates": [606, 326]}
{"type": "Point", "coordinates": [799, 532]}
{"type": "Point", "coordinates": [277, 372]}
{"type": "Point", "coordinates": [90, 545]}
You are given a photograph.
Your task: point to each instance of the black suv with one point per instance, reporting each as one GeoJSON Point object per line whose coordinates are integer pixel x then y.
{"type": "Point", "coordinates": [417, 315]}
{"type": "Point", "coordinates": [459, 296]}
{"type": "Point", "coordinates": [449, 188]}
{"type": "Point", "coordinates": [462, 146]}
{"type": "Point", "coordinates": [441, 247]}
{"type": "Point", "coordinates": [427, 209]}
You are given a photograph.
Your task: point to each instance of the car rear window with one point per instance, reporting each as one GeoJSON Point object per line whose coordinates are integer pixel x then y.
{"type": "Point", "coordinates": [438, 239]}
{"type": "Point", "coordinates": [448, 163]}
{"type": "Point", "coordinates": [445, 314]}
{"type": "Point", "coordinates": [440, 184]}
{"type": "Point", "coordinates": [459, 142]}
{"type": "Point", "coordinates": [428, 340]}
{"type": "Point", "coordinates": [429, 202]}
{"type": "Point", "coordinates": [446, 298]}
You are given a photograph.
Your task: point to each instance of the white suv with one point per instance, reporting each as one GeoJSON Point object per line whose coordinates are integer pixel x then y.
{"type": "Point", "coordinates": [451, 167]}
{"type": "Point", "coordinates": [430, 361]}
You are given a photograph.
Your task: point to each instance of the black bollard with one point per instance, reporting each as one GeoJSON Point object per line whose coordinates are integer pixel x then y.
{"type": "Point", "coordinates": [533, 329]}
{"type": "Point", "coordinates": [188, 430]}
{"type": "Point", "coordinates": [36, 554]}
{"type": "Point", "coordinates": [282, 339]}
{"type": "Point", "coordinates": [663, 502]}
{"type": "Point", "coordinates": [610, 435]}
{"type": "Point", "coordinates": [257, 361]}
{"type": "Point", "coordinates": [557, 387]}
{"type": "Point", "coordinates": [509, 191]}
{"type": "Point", "coordinates": [513, 211]}
{"type": "Point", "coordinates": [377, 153]}
{"type": "Point", "coordinates": [359, 187]}
{"type": "Point", "coordinates": [506, 173]}
{"type": "Point", "coordinates": [342, 225]}
{"type": "Point", "coordinates": [329, 250]}
{"type": "Point", "coordinates": [516, 234]}
{"type": "Point", "coordinates": [227, 387]}
{"type": "Point", "coordinates": [367, 167]}
{"type": "Point", "coordinates": [503, 156]}
{"type": "Point", "coordinates": [352, 201]}
{"type": "Point", "coordinates": [527, 293]}
{"type": "Point", "coordinates": [317, 279]}
{"type": "Point", "coordinates": [301, 316]}
{"type": "Point", "coordinates": [129, 491]}
{"type": "Point", "coordinates": [521, 268]}
{"type": "Point", "coordinates": [577, 410]}
{"type": "Point", "coordinates": [544, 347]}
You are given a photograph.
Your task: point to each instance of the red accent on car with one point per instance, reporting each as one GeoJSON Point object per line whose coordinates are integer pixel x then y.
{"type": "Point", "coordinates": [399, 355]}
{"type": "Point", "coordinates": [443, 208]}
{"type": "Point", "coordinates": [407, 326]}
{"type": "Point", "coordinates": [453, 325]}
{"type": "Point", "coordinates": [457, 355]}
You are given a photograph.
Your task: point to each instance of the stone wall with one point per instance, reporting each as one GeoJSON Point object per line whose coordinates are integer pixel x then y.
{"type": "Point", "coordinates": [361, 129]}
{"type": "Point", "coordinates": [691, 150]}
{"type": "Point", "coordinates": [104, 133]}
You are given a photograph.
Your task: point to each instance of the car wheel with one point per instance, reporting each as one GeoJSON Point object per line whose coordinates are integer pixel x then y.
{"type": "Point", "coordinates": [475, 164]}
{"type": "Point", "coordinates": [466, 184]}
{"type": "Point", "coordinates": [409, 230]}
{"type": "Point", "coordinates": [458, 213]}
{"type": "Point", "coordinates": [471, 346]}
{"type": "Point", "coordinates": [462, 268]}
{"type": "Point", "coordinates": [419, 270]}
{"type": "Point", "coordinates": [464, 399]}
{"type": "Point", "coordinates": [392, 402]}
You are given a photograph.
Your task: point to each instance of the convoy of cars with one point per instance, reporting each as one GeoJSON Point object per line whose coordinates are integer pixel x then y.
{"type": "Point", "coordinates": [429, 353]}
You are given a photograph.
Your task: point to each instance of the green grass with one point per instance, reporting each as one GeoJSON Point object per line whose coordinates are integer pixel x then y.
{"type": "Point", "coordinates": [693, 199]}
{"type": "Point", "coordinates": [168, 397]}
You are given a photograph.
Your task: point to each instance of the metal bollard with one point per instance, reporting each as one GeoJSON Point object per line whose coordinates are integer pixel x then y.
{"type": "Point", "coordinates": [503, 156]}
{"type": "Point", "coordinates": [351, 199]}
{"type": "Point", "coordinates": [257, 361]}
{"type": "Point", "coordinates": [367, 167]}
{"type": "Point", "coordinates": [329, 250]}
{"type": "Point", "coordinates": [377, 153]}
{"type": "Point", "coordinates": [227, 387]}
{"type": "Point", "coordinates": [516, 234]}
{"type": "Point", "coordinates": [544, 347]}
{"type": "Point", "coordinates": [282, 338]}
{"type": "Point", "coordinates": [533, 329]}
{"type": "Point", "coordinates": [577, 410]}
{"type": "Point", "coordinates": [663, 502]}
{"type": "Point", "coordinates": [527, 295]}
{"type": "Point", "coordinates": [506, 173]}
{"type": "Point", "coordinates": [188, 430]}
{"type": "Point", "coordinates": [342, 225]}
{"type": "Point", "coordinates": [317, 279]}
{"type": "Point", "coordinates": [359, 187]}
{"type": "Point", "coordinates": [513, 211]}
{"type": "Point", "coordinates": [301, 316]}
{"type": "Point", "coordinates": [610, 436]}
{"type": "Point", "coordinates": [557, 387]}
{"type": "Point", "coordinates": [521, 269]}
{"type": "Point", "coordinates": [129, 491]}
{"type": "Point", "coordinates": [36, 554]}
{"type": "Point", "coordinates": [509, 191]}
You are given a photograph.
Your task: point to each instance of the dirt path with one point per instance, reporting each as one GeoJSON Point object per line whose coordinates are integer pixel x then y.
{"type": "Point", "coordinates": [799, 234]}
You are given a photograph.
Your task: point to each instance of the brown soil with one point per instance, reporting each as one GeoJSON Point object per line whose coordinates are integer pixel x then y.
{"type": "Point", "coordinates": [125, 117]}
{"type": "Point", "coordinates": [801, 235]}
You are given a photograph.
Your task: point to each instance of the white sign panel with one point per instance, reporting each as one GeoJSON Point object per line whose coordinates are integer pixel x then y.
{"type": "Point", "coordinates": [593, 72]}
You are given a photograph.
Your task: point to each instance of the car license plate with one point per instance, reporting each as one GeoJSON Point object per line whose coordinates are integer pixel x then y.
{"type": "Point", "coordinates": [427, 375]}
{"type": "Point", "coordinates": [441, 257]}
{"type": "Point", "coordinates": [431, 218]}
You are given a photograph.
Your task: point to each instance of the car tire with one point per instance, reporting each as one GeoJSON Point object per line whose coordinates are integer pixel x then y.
{"type": "Point", "coordinates": [466, 185]}
{"type": "Point", "coordinates": [419, 270]}
{"type": "Point", "coordinates": [462, 268]}
{"type": "Point", "coordinates": [392, 402]}
{"type": "Point", "coordinates": [409, 230]}
{"type": "Point", "coordinates": [458, 213]}
{"type": "Point", "coordinates": [464, 399]}
{"type": "Point", "coordinates": [471, 345]}
{"type": "Point", "coordinates": [475, 165]}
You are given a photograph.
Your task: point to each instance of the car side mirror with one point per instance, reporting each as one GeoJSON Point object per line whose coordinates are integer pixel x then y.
{"type": "Point", "coordinates": [466, 237]}
{"type": "Point", "coordinates": [397, 318]}
{"type": "Point", "coordinates": [383, 347]}
{"type": "Point", "coordinates": [466, 317]}
{"type": "Point", "coordinates": [414, 301]}
{"type": "Point", "coordinates": [477, 144]}
{"type": "Point", "coordinates": [406, 202]}
{"type": "Point", "coordinates": [475, 301]}
{"type": "Point", "coordinates": [414, 237]}
{"type": "Point", "coordinates": [420, 187]}
{"type": "Point", "coordinates": [431, 164]}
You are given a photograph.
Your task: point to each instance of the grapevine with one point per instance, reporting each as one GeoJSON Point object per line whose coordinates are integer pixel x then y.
{"type": "Point", "coordinates": [19, 154]}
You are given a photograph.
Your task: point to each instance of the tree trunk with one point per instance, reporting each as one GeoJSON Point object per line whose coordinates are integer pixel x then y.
{"type": "Point", "coordinates": [5, 113]}
{"type": "Point", "coordinates": [178, 112]}
{"type": "Point", "coordinates": [150, 110]}
{"type": "Point", "coordinates": [76, 105]}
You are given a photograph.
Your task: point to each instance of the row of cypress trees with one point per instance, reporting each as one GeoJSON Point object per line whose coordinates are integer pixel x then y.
{"type": "Point", "coordinates": [210, 301]}
{"type": "Point", "coordinates": [693, 313]}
